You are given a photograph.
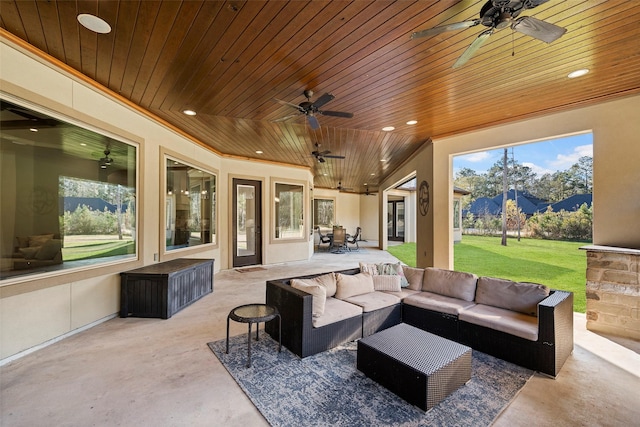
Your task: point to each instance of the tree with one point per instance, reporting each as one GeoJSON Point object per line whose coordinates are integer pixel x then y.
{"type": "Point", "coordinates": [505, 190]}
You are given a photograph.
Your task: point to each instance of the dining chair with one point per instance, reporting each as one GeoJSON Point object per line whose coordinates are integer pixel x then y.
{"type": "Point", "coordinates": [353, 240]}
{"type": "Point", "coordinates": [323, 239]}
{"type": "Point", "coordinates": [339, 240]}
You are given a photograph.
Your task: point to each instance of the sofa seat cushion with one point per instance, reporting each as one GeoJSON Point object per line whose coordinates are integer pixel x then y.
{"type": "Point", "coordinates": [336, 310]}
{"type": "Point", "coordinates": [507, 321]}
{"type": "Point", "coordinates": [350, 285]}
{"type": "Point", "coordinates": [374, 301]}
{"type": "Point", "coordinates": [501, 293]}
{"type": "Point", "coordinates": [437, 302]}
{"type": "Point", "coordinates": [454, 284]}
{"type": "Point", "coordinates": [404, 292]}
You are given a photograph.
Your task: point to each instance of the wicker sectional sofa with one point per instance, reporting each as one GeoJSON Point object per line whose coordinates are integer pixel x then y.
{"type": "Point", "coordinates": [523, 323]}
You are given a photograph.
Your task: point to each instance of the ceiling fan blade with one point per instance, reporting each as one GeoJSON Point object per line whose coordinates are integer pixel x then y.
{"type": "Point", "coordinates": [322, 100]}
{"type": "Point", "coordinates": [282, 119]}
{"type": "Point", "coordinates": [313, 122]}
{"type": "Point", "coordinates": [336, 114]}
{"type": "Point", "coordinates": [329, 156]}
{"type": "Point", "coordinates": [443, 28]}
{"type": "Point", "coordinates": [297, 107]}
{"type": "Point", "coordinates": [530, 4]}
{"type": "Point", "coordinates": [538, 29]}
{"type": "Point", "coordinates": [471, 50]}
{"type": "Point", "coordinates": [321, 160]}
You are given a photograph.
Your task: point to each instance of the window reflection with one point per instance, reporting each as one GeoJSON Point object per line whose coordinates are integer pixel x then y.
{"type": "Point", "coordinates": [190, 206]}
{"type": "Point", "coordinates": [67, 194]}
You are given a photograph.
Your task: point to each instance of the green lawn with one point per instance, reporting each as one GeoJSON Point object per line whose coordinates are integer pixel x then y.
{"type": "Point", "coordinates": [559, 265]}
{"type": "Point", "coordinates": [74, 251]}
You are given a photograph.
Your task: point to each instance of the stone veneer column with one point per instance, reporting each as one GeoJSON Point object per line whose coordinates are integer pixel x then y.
{"type": "Point", "coordinates": [613, 290]}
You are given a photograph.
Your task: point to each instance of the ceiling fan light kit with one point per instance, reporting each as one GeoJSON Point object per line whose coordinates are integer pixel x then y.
{"type": "Point", "coordinates": [310, 109]}
{"type": "Point", "coordinates": [497, 15]}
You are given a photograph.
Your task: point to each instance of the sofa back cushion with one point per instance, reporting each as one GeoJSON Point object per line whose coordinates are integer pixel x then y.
{"type": "Point", "coordinates": [318, 292]}
{"type": "Point", "coordinates": [515, 296]}
{"type": "Point", "coordinates": [327, 280]}
{"type": "Point", "coordinates": [414, 277]}
{"type": "Point", "coordinates": [351, 285]}
{"type": "Point", "coordinates": [454, 284]}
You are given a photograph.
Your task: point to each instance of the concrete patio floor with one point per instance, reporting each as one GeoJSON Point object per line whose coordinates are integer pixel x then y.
{"type": "Point", "coordinates": [153, 372]}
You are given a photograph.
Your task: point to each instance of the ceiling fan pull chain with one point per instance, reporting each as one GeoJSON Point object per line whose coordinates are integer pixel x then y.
{"type": "Point", "coordinates": [513, 47]}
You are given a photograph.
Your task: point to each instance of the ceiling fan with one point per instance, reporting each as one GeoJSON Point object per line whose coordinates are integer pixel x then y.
{"type": "Point", "coordinates": [310, 109]}
{"type": "Point", "coordinates": [499, 14]}
{"type": "Point", "coordinates": [322, 155]}
{"type": "Point", "coordinates": [341, 188]}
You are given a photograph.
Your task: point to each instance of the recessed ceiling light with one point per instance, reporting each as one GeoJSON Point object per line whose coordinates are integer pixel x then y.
{"type": "Point", "coordinates": [382, 160]}
{"type": "Point", "coordinates": [258, 151]}
{"type": "Point", "coordinates": [189, 112]}
{"type": "Point", "coordinates": [366, 183]}
{"type": "Point", "coordinates": [412, 122]}
{"type": "Point", "coordinates": [33, 129]}
{"type": "Point", "coordinates": [388, 128]}
{"type": "Point", "coordinates": [373, 174]}
{"type": "Point", "coordinates": [578, 73]}
{"type": "Point", "coordinates": [83, 144]}
{"type": "Point", "coordinates": [93, 23]}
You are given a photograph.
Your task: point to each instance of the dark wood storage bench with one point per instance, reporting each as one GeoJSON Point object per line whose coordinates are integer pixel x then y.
{"type": "Point", "coordinates": [163, 289]}
{"type": "Point", "coordinates": [418, 366]}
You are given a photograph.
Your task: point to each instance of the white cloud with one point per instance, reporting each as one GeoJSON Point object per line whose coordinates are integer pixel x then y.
{"type": "Point", "coordinates": [476, 157]}
{"type": "Point", "coordinates": [565, 161]}
{"type": "Point", "coordinates": [539, 170]}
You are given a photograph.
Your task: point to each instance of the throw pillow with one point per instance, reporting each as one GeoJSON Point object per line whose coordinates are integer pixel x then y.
{"type": "Point", "coordinates": [22, 242]}
{"type": "Point", "coordinates": [49, 250]}
{"type": "Point", "coordinates": [39, 240]}
{"type": "Point", "coordinates": [386, 282]}
{"type": "Point", "coordinates": [393, 269]}
{"type": "Point", "coordinates": [352, 285]}
{"type": "Point", "coordinates": [29, 253]}
{"type": "Point", "coordinates": [372, 269]}
{"type": "Point", "coordinates": [502, 293]}
{"type": "Point", "coordinates": [327, 280]}
{"type": "Point", "coordinates": [414, 277]}
{"type": "Point", "coordinates": [318, 292]}
{"type": "Point", "coordinates": [454, 284]}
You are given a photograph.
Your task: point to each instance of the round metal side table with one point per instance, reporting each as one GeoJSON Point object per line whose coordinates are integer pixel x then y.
{"type": "Point", "coordinates": [254, 313]}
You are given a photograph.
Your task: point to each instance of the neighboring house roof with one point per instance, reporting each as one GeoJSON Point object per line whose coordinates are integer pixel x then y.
{"type": "Point", "coordinates": [527, 203]}
{"type": "Point", "coordinates": [483, 206]}
{"type": "Point", "coordinates": [571, 203]}
{"type": "Point", "coordinates": [94, 203]}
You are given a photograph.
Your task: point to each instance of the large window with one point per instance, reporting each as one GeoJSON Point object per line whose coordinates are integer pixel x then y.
{"type": "Point", "coordinates": [323, 213]}
{"type": "Point", "coordinates": [289, 211]}
{"type": "Point", "coordinates": [67, 195]}
{"type": "Point", "coordinates": [190, 205]}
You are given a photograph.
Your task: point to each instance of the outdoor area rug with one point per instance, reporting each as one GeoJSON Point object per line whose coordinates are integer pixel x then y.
{"type": "Point", "coordinates": [327, 389]}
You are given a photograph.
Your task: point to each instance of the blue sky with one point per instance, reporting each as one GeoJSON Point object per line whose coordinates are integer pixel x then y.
{"type": "Point", "coordinates": [542, 157]}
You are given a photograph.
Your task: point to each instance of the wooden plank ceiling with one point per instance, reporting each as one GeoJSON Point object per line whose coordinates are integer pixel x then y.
{"type": "Point", "coordinates": [230, 60]}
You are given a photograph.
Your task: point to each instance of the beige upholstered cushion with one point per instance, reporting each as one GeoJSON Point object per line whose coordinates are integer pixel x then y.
{"type": "Point", "coordinates": [49, 250]}
{"type": "Point", "coordinates": [386, 282]}
{"type": "Point", "coordinates": [500, 319]}
{"type": "Point", "coordinates": [327, 280]}
{"type": "Point", "coordinates": [39, 240]}
{"type": "Point", "coordinates": [414, 277]}
{"type": "Point", "coordinates": [437, 302]}
{"type": "Point", "coordinates": [318, 292]}
{"type": "Point", "coordinates": [455, 284]}
{"type": "Point", "coordinates": [350, 285]}
{"type": "Point", "coordinates": [501, 293]}
{"type": "Point", "coordinates": [393, 269]}
{"type": "Point", "coordinates": [373, 301]}
{"type": "Point", "coordinates": [372, 269]}
{"type": "Point", "coordinates": [404, 292]}
{"type": "Point", "coordinates": [336, 310]}
{"type": "Point", "coordinates": [29, 253]}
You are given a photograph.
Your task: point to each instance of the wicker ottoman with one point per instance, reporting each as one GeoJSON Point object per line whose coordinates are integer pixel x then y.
{"type": "Point", "coordinates": [420, 367]}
